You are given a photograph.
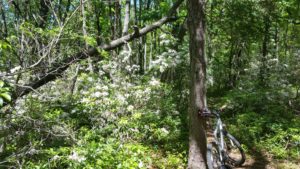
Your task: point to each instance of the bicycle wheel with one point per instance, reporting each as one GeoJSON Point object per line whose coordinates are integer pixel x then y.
{"type": "Point", "coordinates": [235, 153]}
{"type": "Point", "coordinates": [212, 155]}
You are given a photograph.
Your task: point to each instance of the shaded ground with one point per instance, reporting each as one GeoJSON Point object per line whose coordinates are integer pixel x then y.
{"type": "Point", "coordinates": [261, 161]}
{"type": "Point", "coordinates": [257, 161]}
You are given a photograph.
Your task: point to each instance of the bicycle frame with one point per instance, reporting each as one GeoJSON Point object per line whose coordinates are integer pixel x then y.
{"type": "Point", "coordinates": [219, 138]}
{"type": "Point", "coordinates": [222, 153]}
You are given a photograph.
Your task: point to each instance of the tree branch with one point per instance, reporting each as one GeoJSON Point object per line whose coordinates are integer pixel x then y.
{"type": "Point", "coordinates": [58, 69]}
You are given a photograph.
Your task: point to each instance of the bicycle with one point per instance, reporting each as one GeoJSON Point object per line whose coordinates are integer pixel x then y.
{"type": "Point", "coordinates": [225, 151]}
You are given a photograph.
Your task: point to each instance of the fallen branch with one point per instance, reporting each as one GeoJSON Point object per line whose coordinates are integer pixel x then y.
{"type": "Point", "coordinates": [58, 69]}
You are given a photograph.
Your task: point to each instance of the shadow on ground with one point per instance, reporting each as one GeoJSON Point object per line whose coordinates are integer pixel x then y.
{"type": "Point", "coordinates": [257, 160]}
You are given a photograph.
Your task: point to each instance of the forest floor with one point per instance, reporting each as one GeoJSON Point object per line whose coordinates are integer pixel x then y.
{"type": "Point", "coordinates": [262, 161]}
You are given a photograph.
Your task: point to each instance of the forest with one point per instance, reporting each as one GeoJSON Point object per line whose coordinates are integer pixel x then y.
{"type": "Point", "coordinates": [128, 84]}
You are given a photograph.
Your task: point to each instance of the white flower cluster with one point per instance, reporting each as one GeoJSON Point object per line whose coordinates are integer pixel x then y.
{"type": "Point", "coordinates": [75, 157]}
{"type": "Point", "coordinates": [154, 82]}
{"type": "Point", "coordinates": [167, 59]}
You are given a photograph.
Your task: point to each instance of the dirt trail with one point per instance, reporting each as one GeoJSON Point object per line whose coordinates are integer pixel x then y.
{"type": "Point", "coordinates": [256, 162]}
{"type": "Point", "coordinates": [260, 161]}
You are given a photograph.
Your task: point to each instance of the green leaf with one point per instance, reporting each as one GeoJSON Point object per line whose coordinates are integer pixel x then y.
{"type": "Point", "coordinates": [1, 83]}
{"type": "Point", "coordinates": [103, 53]}
{"type": "Point", "coordinates": [90, 40]}
{"type": "Point", "coordinates": [6, 96]}
{"type": "Point", "coordinates": [4, 45]}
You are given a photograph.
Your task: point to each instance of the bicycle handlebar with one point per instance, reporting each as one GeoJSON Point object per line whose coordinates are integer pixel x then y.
{"type": "Point", "coordinates": [207, 113]}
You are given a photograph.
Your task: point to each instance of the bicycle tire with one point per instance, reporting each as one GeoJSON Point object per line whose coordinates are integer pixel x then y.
{"type": "Point", "coordinates": [235, 157]}
{"type": "Point", "coordinates": [212, 153]}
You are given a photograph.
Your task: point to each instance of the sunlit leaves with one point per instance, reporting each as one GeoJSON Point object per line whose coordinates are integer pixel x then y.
{"type": "Point", "coordinates": [90, 40]}
{"type": "Point", "coordinates": [4, 93]}
{"type": "Point", "coordinates": [4, 45]}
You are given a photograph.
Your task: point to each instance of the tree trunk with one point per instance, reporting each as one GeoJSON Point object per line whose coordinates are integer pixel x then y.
{"type": "Point", "coordinates": [112, 20]}
{"type": "Point", "coordinates": [126, 18]}
{"type": "Point", "coordinates": [118, 30]}
{"type": "Point", "coordinates": [98, 9]}
{"type": "Point", "coordinates": [141, 40]}
{"type": "Point", "coordinates": [263, 68]}
{"type": "Point", "coordinates": [44, 12]}
{"type": "Point", "coordinates": [85, 34]}
{"type": "Point", "coordinates": [4, 20]}
{"type": "Point", "coordinates": [126, 21]}
{"type": "Point", "coordinates": [197, 137]}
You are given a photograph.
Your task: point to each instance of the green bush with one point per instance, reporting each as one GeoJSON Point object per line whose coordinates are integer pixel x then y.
{"type": "Point", "coordinates": [263, 122]}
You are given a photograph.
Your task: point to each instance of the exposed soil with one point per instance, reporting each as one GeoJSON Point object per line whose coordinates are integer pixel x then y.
{"type": "Point", "coordinates": [262, 161]}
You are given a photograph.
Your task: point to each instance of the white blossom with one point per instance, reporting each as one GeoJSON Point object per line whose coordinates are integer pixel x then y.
{"type": "Point", "coordinates": [85, 100]}
{"type": "Point", "coordinates": [55, 157]}
{"type": "Point", "coordinates": [13, 70]}
{"type": "Point", "coordinates": [75, 157]}
{"type": "Point", "coordinates": [154, 82]}
{"type": "Point", "coordinates": [97, 94]}
{"type": "Point", "coordinates": [130, 108]}
{"type": "Point", "coordinates": [141, 164]}
{"type": "Point", "coordinates": [121, 98]}
{"type": "Point", "coordinates": [164, 130]}
{"type": "Point", "coordinates": [90, 79]}
{"type": "Point", "coordinates": [105, 88]}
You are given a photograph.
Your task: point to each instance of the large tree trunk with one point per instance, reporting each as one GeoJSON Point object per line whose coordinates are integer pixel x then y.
{"type": "Point", "coordinates": [197, 137]}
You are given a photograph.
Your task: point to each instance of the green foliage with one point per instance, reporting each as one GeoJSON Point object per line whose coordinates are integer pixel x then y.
{"type": "Point", "coordinates": [4, 45]}
{"type": "Point", "coordinates": [90, 40]}
{"type": "Point", "coordinates": [4, 93]}
{"type": "Point", "coordinates": [263, 123]}
{"type": "Point", "coordinates": [103, 126]}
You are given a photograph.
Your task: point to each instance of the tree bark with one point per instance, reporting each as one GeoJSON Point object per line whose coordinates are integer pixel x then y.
{"type": "Point", "coordinates": [197, 136]}
{"type": "Point", "coordinates": [44, 9]}
{"type": "Point", "coordinates": [126, 18]}
{"type": "Point", "coordinates": [112, 19]}
{"type": "Point", "coordinates": [85, 34]}
{"type": "Point", "coordinates": [140, 47]}
{"type": "Point", "coordinates": [98, 7]}
{"type": "Point", "coordinates": [263, 68]}
{"type": "Point", "coordinates": [126, 21]}
{"type": "Point", "coordinates": [117, 21]}
{"type": "Point", "coordinates": [4, 20]}
{"type": "Point", "coordinates": [135, 12]}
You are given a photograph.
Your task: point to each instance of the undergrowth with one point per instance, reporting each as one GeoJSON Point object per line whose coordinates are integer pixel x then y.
{"type": "Point", "coordinates": [264, 121]}
{"type": "Point", "coordinates": [104, 125]}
